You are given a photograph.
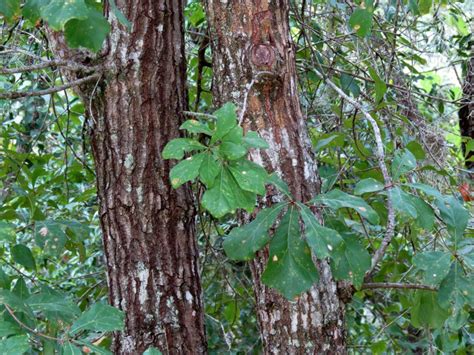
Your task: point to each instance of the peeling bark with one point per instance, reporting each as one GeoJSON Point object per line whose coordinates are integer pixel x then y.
{"type": "Point", "coordinates": [148, 227]}
{"type": "Point", "coordinates": [253, 53]}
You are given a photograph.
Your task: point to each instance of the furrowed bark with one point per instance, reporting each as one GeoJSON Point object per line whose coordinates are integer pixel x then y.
{"type": "Point", "coordinates": [148, 227]}
{"type": "Point", "coordinates": [253, 53]}
{"type": "Point", "coordinates": [466, 112]}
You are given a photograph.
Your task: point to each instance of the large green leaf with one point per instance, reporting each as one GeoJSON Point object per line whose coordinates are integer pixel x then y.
{"type": "Point", "coordinates": [350, 261]}
{"type": "Point", "coordinates": [402, 202]}
{"type": "Point", "coordinates": [15, 302]}
{"type": "Point", "coordinates": [403, 162]}
{"type": "Point", "coordinates": [290, 268]}
{"type": "Point", "coordinates": [426, 311]}
{"type": "Point", "coordinates": [361, 22]}
{"type": "Point", "coordinates": [336, 199]}
{"type": "Point", "coordinates": [368, 185]}
{"type": "Point", "coordinates": [456, 288]}
{"type": "Point", "coordinates": [226, 120]}
{"type": "Point", "coordinates": [281, 185]}
{"type": "Point", "coordinates": [54, 306]}
{"type": "Point", "coordinates": [89, 32]}
{"type": "Point", "coordinates": [9, 8]}
{"type": "Point", "coordinates": [250, 176]}
{"type": "Point", "coordinates": [176, 148]}
{"type": "Point", "coordinates": [435, 265]}
{"type": "Point", "coordinates": [186, 170]}
{"type": "Point", "coordinates": [20, 289]}
{"type": "Point", "coordinates": [454, 215]}
{"type": "Point", "coordinates": [100, 317]}
{"type": "Point", "coordinates": [194, 126]}
{"type": "Point", "coordinates": [17, 345]}
{"type": "Point", "coordinates": [22, 255]}
{"type": "Point", "coordinates": [51, 237]}
{"type": "Point", "coordinates": [322, 240]}
{"type": "Point", "coordinates": [424, 6]}
{"type": "Point", "coordinates": [429, 190]}
{"type": "Point", "coordinates": [253, 140]}
{"type": "Point", "coordinates": [209, 170]}
{"type": "Point", "coordinates": [226, 196]}
{"type": "Point", "coordinates": [243, 242]}
{"type": "Point", "coordinates": [7, 232]}
{"type": "Point", "coordinates": [70, 349]}
{"type": "Point", "coordinates": [152, 351]}
{"type": "Point", "coordinates": [380, 86]}
{"type": "Point", "coordinates": [58, 12]}
{"type": "Point", "coordinates": [232, 151]}
{"type": "Point", "coordinates": [425, 214]}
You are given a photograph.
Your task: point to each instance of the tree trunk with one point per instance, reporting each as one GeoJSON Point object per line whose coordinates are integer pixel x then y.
{"type": "Point", "coordinates": [148, 227]}
{"type": "Point", "coordinates": [253, 53]}
{"type": "Point", "coordinates": [466, 113]}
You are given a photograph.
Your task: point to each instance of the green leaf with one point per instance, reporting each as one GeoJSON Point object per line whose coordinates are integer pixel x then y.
{"type": "Point", "coordinates": [456, 288]}
{"type": "Point", "coordinates": [454, 215]}
{"type": "Point", "coordinates": [89, 32]}
{"type": "Point", "coordinates": [226, 196]}
{"type": "Point", "coordinates": [430, 191]}
{"type": "Point", "coordinates": [8, 328]}
{"type": "Point", "coordinates": [290, 268]}
{"type": "Point", "coordinates": [51, 237]}
{"type": "Point", "coordinates": [417, 150]}
{"type": "Point", "coordinates": [435, 265]}
{"type": "Point", "coordinates": [226, 120]}
{"type": "Point", "coordinates": [15, 302]}
{"type": "Point", "coordinates": [22, 255]}
{"type": "Point", "coordinates": [281, 185]}
{"type": "Point", "coordinates": [336, 199]}
{"type": "Point", "coordinates": [235, 135]}
{"type": "Point", "coordinates": [120, 16]}
{"type": "Point", "coordinates": [250, 176]}
{"type": "Point", "coordinates": [348, 85]}
{"type": "Point", "coordinates": [70, 349]}
{"type": "Point", "coordinates": [14, 345]}
{"type": "Point", "coordinates": [32, 9]}
{"type": "Point", "coordinates": [402, 202]}
{"type": "Point", "coordinates": [424, 6]}
{"type": "Point", "coordinates": [9, 8]}
{"type": "Point", "coordinates": [232, 151]}
{"type": "Point", "coordinates": [209, 170]}
{"type": "Point", "coordinates": [322, 240]}
{"type": "Point", "coordinates": [186, 170]}
{"type": "Point", "coordinates": [350, 261]}
{"type": "Point", "coordinates": [368, 185]}
{"type": "Point", "coordinates": [54, 306]}
{"type": "Point", "coordinates": [5, 281]}
{"type": "Point", "coordinates": [253, 140]}
{"type": "Point", "coordinates": [58, 12]}
{"type": "Point", "coordinates": [403, 162]}
{"type": "Point", "coordinates": [152, 351]}
{"type": "Point", "coordinates": [194, 126]}
{"type": "Point", "coordinates": [7, 232]}
{"type": "Point", "coordinates": [425, 214]}
{"type": "Point", "coordinates": [20, 289]}
{"type": "Point", "coordinates": [426, 311]}
{"type": "Point", "coordinates": [361, 22]}
{"type": "Point", "coordinates": [380, 86]}
{"type": "Point", "coordinates": [100, 317]}
{"type": "Point", "coordinates": [176, 148]}
{"type": "Point", "coordinates": [243, 242]}
{"type": "Point", "coordinates": [95, 349]}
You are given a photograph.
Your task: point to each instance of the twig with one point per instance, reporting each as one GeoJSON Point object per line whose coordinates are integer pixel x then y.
{"type": "Point", "coordinates": [380, 153]}
{"type": "Point", "coordinates": [199, 114]}
{"type": "Point", "coordinates": [52, 63]}
{"type": "Point", "coordinates": [17, 95]}
{"type": "Point", "coordinates": [374, 285]}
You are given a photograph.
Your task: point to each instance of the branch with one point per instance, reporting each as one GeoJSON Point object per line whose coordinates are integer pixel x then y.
{"type": "Point", "coordinates": [375, 285]}
{"type": "Point", "coordinates": [73, 66]}
{"type": "Point", "coordinates": [380, 153]}
{"type": "Point", "coordinates": [17, 95]}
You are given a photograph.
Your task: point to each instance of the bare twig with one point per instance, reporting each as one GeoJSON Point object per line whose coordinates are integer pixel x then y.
{"type": "Point", "coordinates": [17, 95]}
{"type": "Point", "coordinates": [199, 114]}
{"type": "Point", "coordinates": [380, 153]}
{"type": "Point", "coordinates": [52, 63]}
{"type": "Point", "coordinates": [375, 285]}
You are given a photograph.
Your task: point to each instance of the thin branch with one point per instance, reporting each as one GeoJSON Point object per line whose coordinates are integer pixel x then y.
{"type": "Point", "coordinates": [380, 153]}
{"type": "Point", "coordinates": [375, 285]}
{"type": "Point", "coordinates": [17, 95]}
{"type": "Point", "coordinates": [199, 114]}
{"type": "Point", "coordinates": [52, 63]}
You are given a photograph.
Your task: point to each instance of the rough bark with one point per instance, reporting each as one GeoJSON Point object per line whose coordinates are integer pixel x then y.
{"type": "Point", "coordinates": [148, 227]}
{"type": "Point", "coordinates": [253, 53]}
{"type": "Point", "coordinates": [466, 112]}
